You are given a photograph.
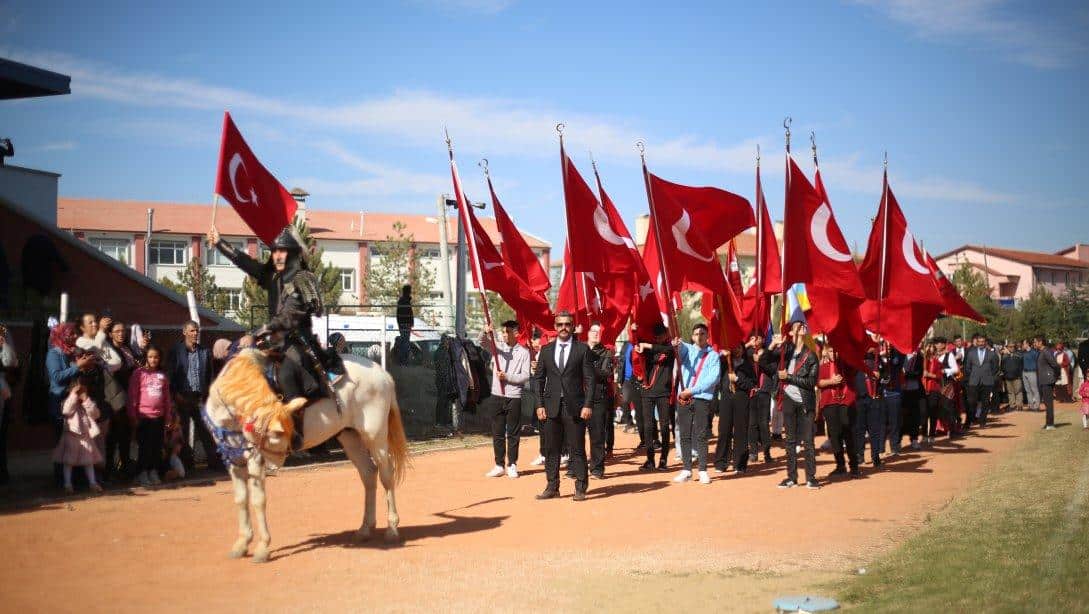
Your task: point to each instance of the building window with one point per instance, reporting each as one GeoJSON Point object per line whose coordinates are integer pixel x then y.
{"type": "Point", "coordinates": [232, 299]}
{"type": "Point", "coordinates": [263, 252]}
{"type": "Point", "coordinates": [347, 280]}
{"type": "Point", "coordinates": [118, 249]}
{"type": "Point", "coordinates": [375, 252]}
{"type": "Point", "coordinates": [168, 252]}
{"type": "Point", "coordinates": [213, 257]}
{"type": "Point", "coordinates": [428, 252]}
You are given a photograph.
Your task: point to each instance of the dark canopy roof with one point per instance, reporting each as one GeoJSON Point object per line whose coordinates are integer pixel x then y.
{"type": "Point", "coordinates": [22, 81]}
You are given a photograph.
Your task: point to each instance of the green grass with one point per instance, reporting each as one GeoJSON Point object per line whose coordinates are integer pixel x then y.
{"type": "Point", "coordinates": [1016, 541]}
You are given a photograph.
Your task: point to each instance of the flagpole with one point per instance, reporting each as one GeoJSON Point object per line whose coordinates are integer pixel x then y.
{"type": "Point", "coordinates": [883, 210]}
{"type": "Point", "coordinates": [474, 257]}
{"type": "Point", "coordinates": [672, 312]}
{"type": "Point", "coordinates": [759, 239]}
{"type": "Point", "coordinates": [215, 206]}
{"type": "Point", "coordinates": [786, 200]}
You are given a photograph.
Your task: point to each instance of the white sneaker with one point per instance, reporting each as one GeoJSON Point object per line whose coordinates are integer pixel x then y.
{"type": "Point", "coordinates": [512, 472]}
{"type": "Point", "coordinates": [563, 460]}
{"type": "Point", "coordinates": [495, 472]}
{"type": "Point", "coordinates": [538, 461]}
{"type": "Point", "coordinates": [704, 478]}
{"type": "Point", "coordinates": [683, 476]}
{"type": "Point", "coordinates": [153, 477]}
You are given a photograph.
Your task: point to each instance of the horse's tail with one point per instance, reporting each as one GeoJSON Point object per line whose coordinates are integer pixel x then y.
{"type": "Point", "coordinates": [398, 443]}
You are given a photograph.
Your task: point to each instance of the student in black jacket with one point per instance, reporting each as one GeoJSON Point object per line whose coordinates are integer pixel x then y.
{"type": "Point", "coordinates": [767, 384]}
{"type": "Point", "coordinates": [735, 398]}
{"type": "Point", "coordinates": [658, 358]}
{"type": "Point", "coordinates": [799, 376]}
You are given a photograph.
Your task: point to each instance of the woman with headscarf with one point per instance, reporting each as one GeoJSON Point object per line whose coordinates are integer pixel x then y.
{"type": "Point", "coordinates": [64, 363]}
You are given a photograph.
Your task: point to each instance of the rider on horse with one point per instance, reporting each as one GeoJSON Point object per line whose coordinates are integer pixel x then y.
{"type": "Point", "coordinates": [294, 297]}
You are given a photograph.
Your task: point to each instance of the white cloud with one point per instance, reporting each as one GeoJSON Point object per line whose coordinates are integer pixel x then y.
{"type": "Point", "coordinates": [1024, 40]}
{"type": "Point", "coordinates": [478, 125]}
{"type": "Point", "coordinates": [58, 146]}
{"type": "Point", "coordinates": [486, 7]}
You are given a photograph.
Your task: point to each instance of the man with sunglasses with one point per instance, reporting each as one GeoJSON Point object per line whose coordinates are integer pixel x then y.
{"type": "Point", "coordinates": [565, 380]}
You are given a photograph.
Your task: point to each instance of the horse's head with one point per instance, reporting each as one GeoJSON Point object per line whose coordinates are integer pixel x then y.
{"type": "Point", "coordinates": [241, 399]}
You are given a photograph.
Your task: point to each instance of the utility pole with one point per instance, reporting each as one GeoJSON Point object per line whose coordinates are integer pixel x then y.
{"type": "Point", "coordinates": [444, 272]}
{"type": "Point", "coordinates": [463, 257]}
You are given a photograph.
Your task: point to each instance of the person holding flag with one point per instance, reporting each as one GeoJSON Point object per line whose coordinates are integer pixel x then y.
{"type": "Point", "coordinates": [699, 377]}
{"type": "Point", "coordinates": [799, 378]}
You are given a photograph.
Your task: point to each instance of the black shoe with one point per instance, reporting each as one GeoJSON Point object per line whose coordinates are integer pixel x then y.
{"type": "Point", "coordinates": [838, 471]}
{"type": "Point", "coordinates": [569, 474]}
{"type": "Point", "coordinates": [663, 464]}
{"type": "Point", "coordinates": [856, 473]}
{"type": "Point", "coordinates": [548, 494]}
{"type": "Point", "coordinates": [580, 495]}
{"type": "Point", "coordinates": [877, 461]}
{"type": "Point", "coordinates": [656, 445]}
{"type": "Point", "coordinates": [599, 475]}
{"type": "Point", "coordinates": [787, 483]}
{"type": "Point", "coordinates": [720, 468]}
{"type": "Point", "coordinates": [767, 457]}
{"type": "Point", "coordinates": [642, 447]}
{"type": "Point", "coordinates": [776, 437]}
{"type": "Point", "coordinates": [647, 466]}
{"type": "Point", "coordinates": [812, 484]}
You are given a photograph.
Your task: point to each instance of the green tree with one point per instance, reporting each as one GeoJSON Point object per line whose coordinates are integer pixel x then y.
{"type": "Point", "coordinates": [1073, 318]}
{"type": "Point", "coordinates": [398, 264]}
{"type": "Point", "coordinates": [254, 310]}
{"type": "Point", "coordinates": [1039, 315]}
{"type": "Point", "coordinates": [972, 285]}
{"type": "Point", "coordinates": [196, 277]}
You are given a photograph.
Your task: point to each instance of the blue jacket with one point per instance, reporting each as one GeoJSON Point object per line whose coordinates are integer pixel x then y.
{"type": "Point", "coordinates": [704, 387]}
{"type": "Point", "coordinates": [61, 371]}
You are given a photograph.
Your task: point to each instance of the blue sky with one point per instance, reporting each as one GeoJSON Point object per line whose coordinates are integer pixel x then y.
{"type": "Point", "coordinates": [976, 102]}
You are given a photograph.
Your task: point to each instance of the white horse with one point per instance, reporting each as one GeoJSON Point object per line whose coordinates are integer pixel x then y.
{"type": "Point", "coordinates": [254, 427]}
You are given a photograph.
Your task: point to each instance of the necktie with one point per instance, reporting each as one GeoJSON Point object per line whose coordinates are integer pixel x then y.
{"type": "Point", "coordinates": [563, 357]}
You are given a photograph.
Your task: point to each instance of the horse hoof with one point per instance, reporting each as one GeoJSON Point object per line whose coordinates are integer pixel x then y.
{"type": "Point", "coordinates": [392, 536]}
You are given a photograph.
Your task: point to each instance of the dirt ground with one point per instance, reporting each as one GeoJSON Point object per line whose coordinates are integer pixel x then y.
{"type": "Point", "coordinates": [471, 543]}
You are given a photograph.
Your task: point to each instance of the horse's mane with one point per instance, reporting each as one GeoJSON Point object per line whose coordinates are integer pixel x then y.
{"type": "Point", "coordinates": [243, 388]}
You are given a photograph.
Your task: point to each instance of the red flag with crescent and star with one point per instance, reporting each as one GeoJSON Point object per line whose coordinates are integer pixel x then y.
{"type": "Point", "coordinates": [953, 303]}
{"type": "Point", "coordinates": [241, 180]}
{"type": "Point", "coordinates": [599, 241]}
{"type": "Point", "coordinates": [902, 299]}
{"type": "Point", "coordinates": [768, 274]}
{"type": "Point", "coordinates": [815, 254]}
{"type": "Point", "coordinates": [692, 223]}
{"type": "Point", "coordinates": [517, 254]}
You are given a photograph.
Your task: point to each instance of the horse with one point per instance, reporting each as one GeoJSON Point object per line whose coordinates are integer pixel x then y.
{"type": "Point", "coordinates": [253, 429]}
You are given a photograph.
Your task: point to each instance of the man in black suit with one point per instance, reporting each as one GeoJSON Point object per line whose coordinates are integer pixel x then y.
{"type": "Point", "coordinates": [189, 367]}
{"type": "Point", "coordinates": [1047, 373]}
{"type": "Point", "coordinates": [980, 373]}
{"type": "Point", "coordinates": [565, 380]}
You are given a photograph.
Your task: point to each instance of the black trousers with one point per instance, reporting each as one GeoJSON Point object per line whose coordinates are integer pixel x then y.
{"type": "Point", "coordinates": [118, 443]}
{"type": "Point", "coordinates": [565, 429]}
{"type": "Point", "coordinates": [838, 420]}
{"type": "Point", "coordinates": [600, 426]}
{"type": "Point", "coordinates": [760, 424]}
{"type": "Point", "coordinates": [189, 407]}
{"type": "Point", "coordinates": [938, 408]}
{"type": "Point", "coordinates": [692, 419]}
{"type": "Point", "coordinates": [733, 430]}
{"type": "Point", "coordinates": [982, 395]}
{"type": "Point", "coordinates": [1047, 397]}
{"type": "Point", "coordinates": [149, 438]}
{"type": "Point", "coordinates": [661, 425]}
{"type": "Point", "coordinates": [798, 422]}
{"type": "Point", "coordinates": [506, 425]}
{"type": "Point", "coordinates": [913, 411]}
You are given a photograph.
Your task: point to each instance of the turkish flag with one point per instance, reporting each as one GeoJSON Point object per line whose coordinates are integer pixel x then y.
{"type": "Point", "coordinates": [255, 194]}
{"type": "Point", "coordinates": [953, 304]}
{"type": "Point", "coordinates": [599, 241]}
{"type": "Point", "coordinates": [516, 252]}
{"type": "Point", "coordinates": [691, 223]}
{"type": "Point", "coordinates": [722, 312]}
{"type": "Point", "coordinates": [902, 299]}
{"type": "Point", "coordinates": [653, 307]}
{"type": "Point", "coordinates": [769, 269]}
{"type": "Point", "coordinates": [816, 254]}
{"type": "Point", "coordinates": [573, 295]}
{"type": "Point", "coordinates": [733, 270]}
{"type": "Point", "coordinates": [490, 272]}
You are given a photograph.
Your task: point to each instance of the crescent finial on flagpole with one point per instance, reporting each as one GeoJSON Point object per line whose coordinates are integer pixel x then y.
{"type": "Point", "coordinates": [813, 146]}
{"type": "Point", "coordinates": [886, 159]}
{"type": "Point", "coordinates": [786, 125]}
{"type": "Point", "coordinates": [758, 155]}
{"type": "Point", "coordinates": [449, 143]}
{"type": "Point", "coordinates": [641, 147]}
{"type": "Point", "coordinates": [484, 165]}
{"type": "Point", "coordinates": [593, 162]}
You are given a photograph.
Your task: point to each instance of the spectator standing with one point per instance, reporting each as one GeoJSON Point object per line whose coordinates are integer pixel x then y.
{"type": "Point", "coordinates": [1083, 394]}
{"type": "Point", "coordinates": [1030, 357]}
{"type": "Point", "coordinates": [658, 358]}
{"type": "Point", "coordinates": [837, 400]}
{"type": "Point", "coordinates": [1047, 373]}
{"type": "Point", "coordinates": [77, 447]}
{"type": "Point", "coordinates": [190, 373]}
{"type": "Point", "coordinates": [914, 401]}
{"type": "Point", "coordinates": [980, 373]}
{"type": "Point", "coordinates": [799, 405]}
{"type": "Point", "coordinates": [508, 379]}
{"type": "Point", "coordinates": [9, 373]}
{"type": "Point", "coordinates": [737, 385]}
{"type": "Point", "coordinates": [601, 419]}
{"type": "Point", "coordinates": [1012, 375]}
{"type": "Point", "coordinates": [405, 320]}
{"type": "Point", "coordinates": [120, 362]}
{"type": "Point", "coordinates": [149, 410]}
{"type": "Point", "coordinates": [1083, 359]}
{"type": "Point", "coordinates": [64, 363]}
{"type": "Point", "coordinates": [700, 373]}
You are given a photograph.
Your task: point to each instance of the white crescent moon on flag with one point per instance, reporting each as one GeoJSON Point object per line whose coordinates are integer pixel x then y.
{"type": "Point", "coordinates": [601, 224]}
{"type": "Point", "coordinates": [232, 173]}
{"type": "Point", "coordinates": [490, 265]}
{"type": "Point", "coordinates": [680, 235]}
{"type": "Point", "coordinates": [909, 255]}
{"type": "Point", "coordinates": [818, 229]}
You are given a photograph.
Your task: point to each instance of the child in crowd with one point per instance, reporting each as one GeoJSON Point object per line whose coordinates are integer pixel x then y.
{"type": "Point", "coordinates": [1083, 392]}
{"type": "Point", "coordinates": [150, 409]}
{"type": "Point", "coordinates": [76, 447]}
{"type": "Point", "coordinates": [173, 469]}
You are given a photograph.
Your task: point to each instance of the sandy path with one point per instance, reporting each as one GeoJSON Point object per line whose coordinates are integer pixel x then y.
{"type": "Point", "coordinates": [473, 543]}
